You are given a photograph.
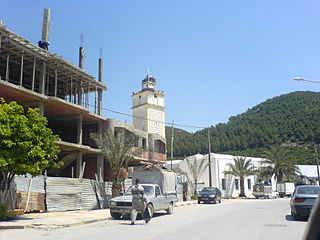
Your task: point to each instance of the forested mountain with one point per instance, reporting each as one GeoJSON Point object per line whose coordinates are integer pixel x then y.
{"type": "Point", "coordinates": [290, 120]}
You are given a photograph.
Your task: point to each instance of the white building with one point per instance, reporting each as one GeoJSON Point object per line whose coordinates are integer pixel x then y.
{"type": "Point", "coordinates": [229, 185]}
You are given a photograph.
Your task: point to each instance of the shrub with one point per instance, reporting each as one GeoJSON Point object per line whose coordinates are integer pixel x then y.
{"type": "Point", "coordinates": [3, 212]}
{"type": "Point", "coordinates": [194, 197]}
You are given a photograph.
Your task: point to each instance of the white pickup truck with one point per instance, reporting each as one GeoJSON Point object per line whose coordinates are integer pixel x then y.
{"type": "Point", "coordinates": [160, 188]}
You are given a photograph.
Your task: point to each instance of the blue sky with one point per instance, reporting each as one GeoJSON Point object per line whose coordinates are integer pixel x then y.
{"type": "Point", "coordinates": [213, 59]}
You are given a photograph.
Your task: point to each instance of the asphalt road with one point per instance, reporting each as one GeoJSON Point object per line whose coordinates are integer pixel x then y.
{"type": "Point", "coordinates": [233, 219]}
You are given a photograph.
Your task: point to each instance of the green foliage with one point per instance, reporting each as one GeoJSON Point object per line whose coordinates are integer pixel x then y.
{"type": "Point", "coordinates": [277, 163]}
{"type": "Point", "coordinates": [196, 168]}
{"type": "Point", "coordinates": [27, 145]}
{"type": "Point", "coordinates": [290, 121]}
{"type": "Point", "coordinates": [3, 212]}
{"type": "Point", "coordinates": [241, 168]}
{"type": "Point", "coordinates": [194, 197]}
{"type": "Point", "coordinates": [118, 149]}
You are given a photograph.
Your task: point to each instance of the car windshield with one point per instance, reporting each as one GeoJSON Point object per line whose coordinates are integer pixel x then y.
{"type": "Point", "coordinates": [147, 189]}
{"type": "Point", "coordinates": [308, 190]}
{"type": "Point", "coordinates": [208, 189]}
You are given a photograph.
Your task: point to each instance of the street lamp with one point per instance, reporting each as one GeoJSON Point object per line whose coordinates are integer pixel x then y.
{"type": "Point", "coordinates": [305, 80]}
{"type": "Point", "coordinates": [315, 146]}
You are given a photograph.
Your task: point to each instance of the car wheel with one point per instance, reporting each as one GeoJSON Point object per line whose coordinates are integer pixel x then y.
{"type": "Point", "coordinates": [115, 215]}
{"type": "Point", "coordinates": [198, 201]}
{"type": "Point", "coordinates": [151, 209]}
{"type": "Point", "coordinates": [170, 209]}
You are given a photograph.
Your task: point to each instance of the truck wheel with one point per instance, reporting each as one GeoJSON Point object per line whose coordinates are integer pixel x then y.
{"type": "Point", "coordinates": [170, 209]}
{"type": "Point", "coordinates": [151, 209]}
{"type": "Point", "coordinates": [115, 215]}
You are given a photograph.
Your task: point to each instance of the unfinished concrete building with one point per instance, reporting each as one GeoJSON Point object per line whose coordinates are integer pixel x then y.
{"type": "Point", "coordinates": [71, 100]}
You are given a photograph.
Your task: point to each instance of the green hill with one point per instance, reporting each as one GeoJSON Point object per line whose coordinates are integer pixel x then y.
{"type": "Point", "coordinates": [290, 120]}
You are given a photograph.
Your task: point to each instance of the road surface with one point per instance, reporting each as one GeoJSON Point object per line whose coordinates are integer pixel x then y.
{"type": "Point", "coordinates": [233, 219]}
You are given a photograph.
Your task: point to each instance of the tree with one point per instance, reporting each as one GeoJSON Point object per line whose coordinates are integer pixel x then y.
{"type": "Point", "coordinates": [196, 168]}
{"type": "Point", "coordinates": [118, 149]}
{"type": "Point", "coordinates": [278, 163]}
{"type": "Point", "coordinates": [241, 168]}
{"type": "Point", "coordinates": [26, 145]}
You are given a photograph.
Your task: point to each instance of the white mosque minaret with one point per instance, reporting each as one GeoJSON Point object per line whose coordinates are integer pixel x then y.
{"type": "Point", "coordinates": [148, 108]}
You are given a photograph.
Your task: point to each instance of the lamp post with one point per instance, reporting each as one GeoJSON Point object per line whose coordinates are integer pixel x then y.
{"type": "Point", "coordinates": [315, 146]}
{"type": "Point", "coordinates": [305, 80]}
{"type": "Point", "coordinates": [209, 158]}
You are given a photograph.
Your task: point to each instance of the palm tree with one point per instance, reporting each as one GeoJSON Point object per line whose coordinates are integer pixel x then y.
{"type": "Point", "coordinates": [118, 149]}
{"type": "Point", "coordinates": [196, 168]}
{"type": "Point", "coordinates": [277, 163]}
{"type": "Point", "coordinates": [241, 168]}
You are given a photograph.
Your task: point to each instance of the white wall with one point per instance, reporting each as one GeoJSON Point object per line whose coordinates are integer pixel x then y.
{"type": "Point", "coordinates": [218, 166]}
{"type": "Point", "coordinates": [139, 121]}
{"type": "Point", "coordinates": [157, 125]}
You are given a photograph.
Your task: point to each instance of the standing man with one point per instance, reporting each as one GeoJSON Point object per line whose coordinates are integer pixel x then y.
{"type": "Point", "coordinates": [139, 202]}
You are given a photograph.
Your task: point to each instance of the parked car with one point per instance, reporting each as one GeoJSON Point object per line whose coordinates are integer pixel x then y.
{"type": "Point", "coordinates": [209, 194]}
{"type": "Point", "coordinates": [303, 200]}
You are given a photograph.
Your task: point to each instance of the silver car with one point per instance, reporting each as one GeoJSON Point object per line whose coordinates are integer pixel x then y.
{"type": "Point", "coordinates": [303, 200]}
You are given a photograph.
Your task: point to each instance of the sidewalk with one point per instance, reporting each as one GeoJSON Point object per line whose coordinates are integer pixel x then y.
{"type": "Point", "coordinates": [55, 220]}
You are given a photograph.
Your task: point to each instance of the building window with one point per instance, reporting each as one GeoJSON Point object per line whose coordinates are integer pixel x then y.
{"type": "Point", "coordinates": [249, 184]}
{"type": "Point", "coordinates": [236, 183]}
{"type": "Point", "coordinates": [223, 183]}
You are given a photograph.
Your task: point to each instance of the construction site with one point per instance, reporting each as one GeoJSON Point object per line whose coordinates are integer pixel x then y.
{"type": "Point", "coordinates": [72, 101]}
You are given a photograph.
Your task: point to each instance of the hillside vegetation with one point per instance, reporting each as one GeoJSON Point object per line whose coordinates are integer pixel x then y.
{"type": "Point", "coordinates": [291, 121]}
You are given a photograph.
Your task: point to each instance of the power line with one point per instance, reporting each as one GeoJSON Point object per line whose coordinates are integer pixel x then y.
{"type": "Point", "coordinates": [130, 115]}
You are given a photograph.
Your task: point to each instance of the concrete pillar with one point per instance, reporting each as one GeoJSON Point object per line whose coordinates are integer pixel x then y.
{"type": "Point", "coordinates": [140, 142]}
{"type": "Point", "coordinates": [46, 24]}
{"type": "Point", "coordinates": [42, 84]}
{"type": "Point", "coordinates": [79, 164]}
{"type": "Point", "coordinates": [41, 109]}
{"type": "Point", "coordinates": [151, 145]}
{"type": "Point", "coordinates": [21, 69]}
{"type": "Point", "coordinates": [100, 168]}
{"type": "Point", "coordinates": [8, 67]}
{"type": "Point", "coordinates": [79, 129]}
{"type": "Point", "coordinates": [80, 94]}
{"type": "Point", "coordinates": [99, 107]}
{"type": "Point", "coordinates": [110, 126]}
{"type": "Point", "coordinates": [55, 82]}
{"type": "Point", "coordinates": [33, 73]}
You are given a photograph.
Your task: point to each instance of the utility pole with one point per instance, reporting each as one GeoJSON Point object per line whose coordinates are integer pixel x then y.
{"type": "Point", "coordinates": [317, 158]}
{"type": "Point", "coordinates": [172, 131]}
{"type": "Point", "coordinates": [209, 148]}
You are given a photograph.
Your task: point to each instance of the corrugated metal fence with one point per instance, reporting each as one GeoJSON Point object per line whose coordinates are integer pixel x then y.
{"type": "Point", "coordinates": [62, 194]}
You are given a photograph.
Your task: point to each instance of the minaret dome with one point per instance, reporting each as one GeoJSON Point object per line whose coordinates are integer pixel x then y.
{"type": "Point", "coordinates": [148, 83]}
